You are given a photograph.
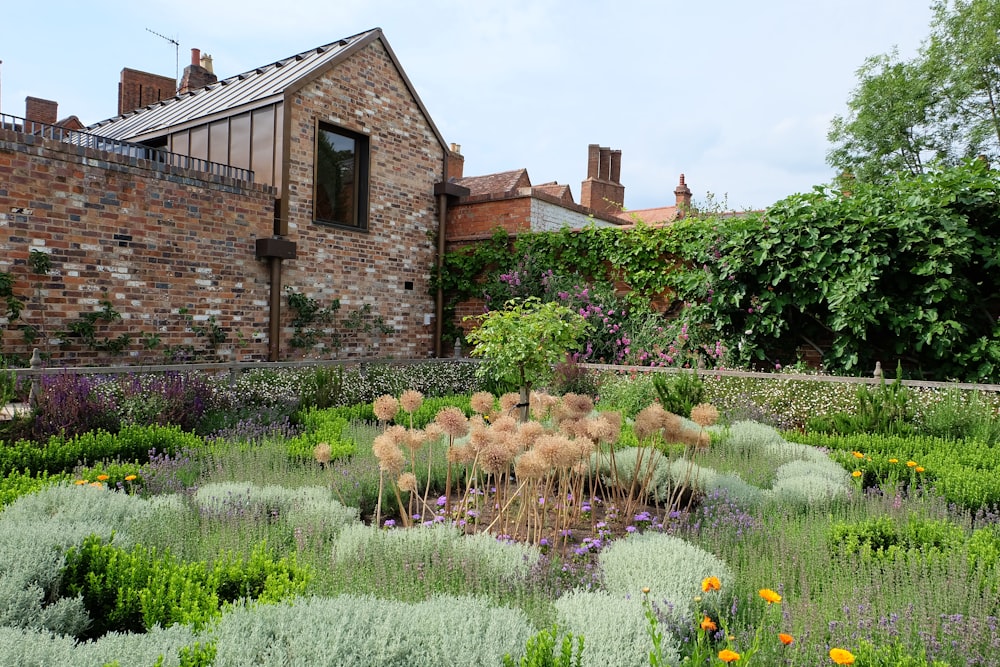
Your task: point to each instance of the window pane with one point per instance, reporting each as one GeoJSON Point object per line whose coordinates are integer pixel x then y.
{"type": "Point", "coordinates": [239, 141]}
{"type": "Point", "coordinates": [263, 146]}
{"type": "Point", "coordinates": [218, 141]}
{"type": "Point", "coordinates": [336, 178]}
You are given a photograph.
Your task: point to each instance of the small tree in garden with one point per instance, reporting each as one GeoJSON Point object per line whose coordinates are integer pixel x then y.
{"type": "Point", "coordinates": [522, 342]}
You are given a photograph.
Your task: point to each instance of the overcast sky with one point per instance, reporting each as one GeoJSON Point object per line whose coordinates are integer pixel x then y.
{"type": "Point", "coordinates": [737, 95]}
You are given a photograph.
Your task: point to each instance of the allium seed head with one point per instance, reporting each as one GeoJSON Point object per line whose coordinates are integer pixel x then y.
{"type": "Point", "coordinates": [411, 400]}
{"type": "Point", "coordinates": [322, 452]}
{"type": "Point", "coordinates": [386, 408]}
{"type": "Point", "coordinates": [407, 482]}
{"type": "Point", "coordinates": [704, 414]}
{"type": "Point", "coordinates": [453, 421]}
{"type": "Point", "coordinates": [482, 402]}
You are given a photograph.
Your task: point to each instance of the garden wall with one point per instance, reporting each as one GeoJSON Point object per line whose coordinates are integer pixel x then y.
{"type": "Point", "coordinates": [148, 238]}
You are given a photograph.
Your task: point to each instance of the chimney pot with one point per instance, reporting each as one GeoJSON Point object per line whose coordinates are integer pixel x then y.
{"type": "Point", "coordinates": [206, 62]}
{"type": "Point", "coordinates": [196, 57]}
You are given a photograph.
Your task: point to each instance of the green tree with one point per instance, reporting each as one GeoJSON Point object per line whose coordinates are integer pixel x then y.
{"type": "Point", "coordinates": [943, 105]}
{"type": "Point", "coordinates": [521, 343]}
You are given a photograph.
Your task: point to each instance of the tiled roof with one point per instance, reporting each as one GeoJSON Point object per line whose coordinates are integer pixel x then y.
{"type": "Point", "coordinates": [561, 191]}
{"type": "Point", "coordinates": [495, 184]}
{"type": "Point", "coordinates": [650, 216]}
{"type": "Point", "coordinates": [247, 90]}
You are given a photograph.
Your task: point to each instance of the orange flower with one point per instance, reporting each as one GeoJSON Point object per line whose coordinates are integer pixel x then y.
{"type": "Point", "coordinates": [858, 455]}
{"type": "Point", "coordinates": [919, 468]}
{"type": "Point", "coordinates": [725, 655]}
{"type": "Point", "coordinates": [80, 482]}
{"type": "Point", "coordinates": [856, 473]}
{"type": "Point", "coordinates": [710, 584]}
{"type": "Point", "coordinates": [786, 639]}
{"type": "Point", "coordinates": [130, 478]}
{"type": "Point", "coordinates": [769, 595]}
{"type": "Point", "coordinates": [102, 478]}
{"type": "Point", "coordinates": [708, 625]}
{"type": "Point", "coordinates": [841, 657]}
{"type": "Point", "coordinates": [96, 485]}
{"type": "Point", "coordinates": [893, 460]}
{"type": "Point", "coordinates": [910, 464]}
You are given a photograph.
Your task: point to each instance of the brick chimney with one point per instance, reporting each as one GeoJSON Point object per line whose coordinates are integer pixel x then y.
{"type": "Point", "coordinates": [138, 89]}
{"type": "Point", "coordinates": [683, 194]}
{"type": "Point", "coordinates": [37, 110]}
{"type": "Point", "coordinates": [603, 192]}
{"type": "Point", "coordinates": [196, 75]}
{"type": "Point", "coordinates": [456, 162]}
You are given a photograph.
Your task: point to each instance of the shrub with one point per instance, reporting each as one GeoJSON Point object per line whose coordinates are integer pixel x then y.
{"type": "Point", "coordinates": [627, 394]}
{"type": "Point", "coordinates": [350, 630]}
{"type": "Point", "coordinates": [15, 484]}
{"type": "Point", "coordinates": [135, 590]}
{"type": "Point", "coordinates": [541, 651]}
{"type": "Point", "coordinates": [670, 567]}
{"type": "Point", "coordinates": [166, 399]}
{"type": "Point", "coordinates": [680, 392]}
{"type": "Point", "coordinates": [68, 404]}
{"type": "Point", "coordinates": [613, 626]}
{"type": "Point", "coordinates": [881, 537]}
{"type": "Point", "coordinates": [321, 426]}
{"type": "Point", "coordinates": [39, 648]}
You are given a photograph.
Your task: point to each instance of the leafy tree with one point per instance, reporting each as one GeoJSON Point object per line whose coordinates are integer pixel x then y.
{"type": "Point", "coordinates": [522, 342]}
{"type": "Point", "coordinates": [940, 106]}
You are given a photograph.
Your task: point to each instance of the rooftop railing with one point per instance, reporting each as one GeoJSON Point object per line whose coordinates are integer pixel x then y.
{"type": "Point", "coordinates": [125, 148]}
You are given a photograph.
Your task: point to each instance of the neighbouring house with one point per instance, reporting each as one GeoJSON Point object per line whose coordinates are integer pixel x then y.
{"type": "Point", "coordinates": [321, 174]}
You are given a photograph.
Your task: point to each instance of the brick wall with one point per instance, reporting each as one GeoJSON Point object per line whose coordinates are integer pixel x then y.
{"type": "Point", "coordinates": [477, 219]}
{"type": "Point", "coordinates": [150, 239]}
{"type": "Point", "coordinates": [387, 266]}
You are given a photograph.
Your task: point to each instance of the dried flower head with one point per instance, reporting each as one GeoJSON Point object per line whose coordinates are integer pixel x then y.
{"type": "Point", "coordinates": [505, 424]}
{"type": "Point", "coordinates": [482, 402]}
{"type": "Point", "coordinates": [407, 482]}
{"type": "Point", "coordinates": [496, 458]}
{"type": "Point", "coordinates": [649, 421]}
{"type": "Point", "coordinates": [704, 414]}
{"type": "Point", "coordinates": [461, 454]}
{"type": "Point", "coordinates": [541, 404]}
{"type": "Point", "coordinates": [530, 465]}
{"type": "Point", "coordinates": [396, 433]}
{"type": "Point", "coordinates": [386, 407]}
{"type": "Point", "coordinates": [392, 461]}
{"type": "Point", "coordinates": [433, 432]}
{"type": "Point", "coordinates": [322, 452]}
{"type": "Point", "coordinates": [411, 400]}
{"type": "Point", "coordinates": [577, 406]}
{"type": "Point", "coordinates": [415, 439]}
{"type": "Point", "coordinates": [453, 421]}
{"type": "Point", "coordinates": [508, 402]}
{"type": "Point", "coordinates": [528, 433]}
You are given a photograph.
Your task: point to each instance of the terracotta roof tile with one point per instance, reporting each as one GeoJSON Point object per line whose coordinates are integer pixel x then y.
{"type": "Point", "coordinates": [495, 184]}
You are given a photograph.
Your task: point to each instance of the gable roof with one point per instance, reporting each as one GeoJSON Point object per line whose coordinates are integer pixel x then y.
{"type": "Point", "coordinates": [650, 216]}
{"type": "Point", "coordinates": [256, 88]}
{"type": "Point", "coordinates": [501, 183]}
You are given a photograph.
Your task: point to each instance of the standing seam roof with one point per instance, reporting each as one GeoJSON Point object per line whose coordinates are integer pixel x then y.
{"type": "Point", "coordinates": [236, 91]}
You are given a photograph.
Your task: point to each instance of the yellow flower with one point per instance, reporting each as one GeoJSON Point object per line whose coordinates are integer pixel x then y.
{"type": "Point", "coordinates": [919, 468]}
{"type": "Point", "coordinates": [80, 482]}
{"type": "Point", "coordinates": [856, 473]}
{"type": "Point", "coordinates": [707, 624]}
{"type": "Point", "coordinates": [858, 455]}
{"type": "Point", "coordinates": [769, 595]}
{"type": "Point", "coordinates": [910, 464]}
{"type": "Point", "coordinates": [130, 478]}
{"type": "Point", "coordinates": [893, 460]}
{"type": "Point", "coordinates": [97, 485]}
{"type": "Point", "coordinates": [725, 655]}
{"type": "Point", "coordinates": [786, 639]}
{"type": "Point", "coordinates": [102, 478]}
{"type": "Point", "coordinates": [841, 657]}
{"type": "Point", "coordinates": [710, 584]}
{"type": "Point", "coordinates": [645, 590]}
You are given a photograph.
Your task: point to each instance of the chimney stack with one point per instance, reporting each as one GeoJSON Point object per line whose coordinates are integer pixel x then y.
{"type": "Point", "coordinates": [37, 110]}
{"type": "Point", "coordinates": [456, 162]}
{"type": "Point", "coordinates": [196, 75]}
{"type": "Point", "coordinates": [139, 89]}
{"type": "Point", "coordinates": [682, 193]}
{"type": "Point", "coordinates": [603, 192]}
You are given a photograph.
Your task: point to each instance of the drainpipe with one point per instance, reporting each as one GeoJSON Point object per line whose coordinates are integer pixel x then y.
{"type": "Point", "coordinates": [275, 249]}
{"type": "Point", "coordinates": [443, 190]}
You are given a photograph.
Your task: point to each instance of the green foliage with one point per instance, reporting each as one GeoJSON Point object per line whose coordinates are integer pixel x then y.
{"type": "Point", "coordinates": [900, 271]}
{"type": "Point", "coordinates": [885, 409]}
{"type": "Point", "coordinates": [882, 537]}
{"type": "Point", "coordinates": [869, 654]}
{"type": "Point", "coordinates": [321, 426]}
{"type": "Point", "coordinates": [10, 304]}
{"type": "Point", "coordinates": [627, 394]}
{"type": "Point", "coordinates": [135, 590]}
{"type": "Point", "coordinates": [322, 387]}
{"type": "Point", "coordinates": [679, 392]}
{"type": "Point", "coordinates": [316, 327]}
{"type": "Point", "coordinates": [59, 454]}
{"type": "Point", "coordinates": [540, 651]}
{"type": "Point", "coordinates": [522, 342]}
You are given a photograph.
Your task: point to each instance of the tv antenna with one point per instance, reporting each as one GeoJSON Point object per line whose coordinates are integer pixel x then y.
{"type": "Point", "coordinates": [177, 54]}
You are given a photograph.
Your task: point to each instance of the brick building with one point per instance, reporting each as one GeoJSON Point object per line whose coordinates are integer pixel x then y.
{"type": "Point", "coordinates": [162, 218]}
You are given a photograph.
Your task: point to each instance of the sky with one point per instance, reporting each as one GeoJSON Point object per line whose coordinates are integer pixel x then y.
{"type": "Point", "coordinates": [736, 95]}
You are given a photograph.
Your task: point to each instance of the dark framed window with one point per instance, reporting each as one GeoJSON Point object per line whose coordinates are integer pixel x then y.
{"type": "Point", "coordinates": [341, 187]}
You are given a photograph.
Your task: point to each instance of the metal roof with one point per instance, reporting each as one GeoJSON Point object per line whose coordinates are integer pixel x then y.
{"type": "Point", "coordinates": [245, 90]}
